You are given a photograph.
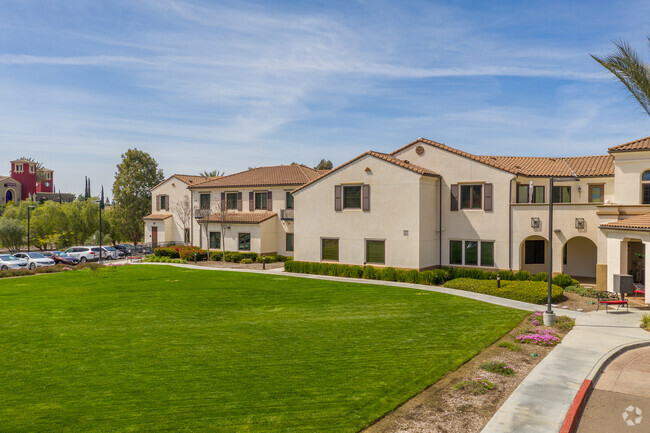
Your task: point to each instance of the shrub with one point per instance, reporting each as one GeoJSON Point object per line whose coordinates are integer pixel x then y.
{"type": "Point", "coordinates": [498, 367]}
{"type": "Point", "coordinates": [216, 255]}
{"type": "Point", "coordinates": [541, 276]}
{"type": "Point", "coordinates": [188, 254]}
{"type": "Point", "coordinates": [489, 275]}
{"type": "Point", "coordinates": [475, 386]}
{"type": "Point", "coordinates": [507, 275]}
{"type": "Point", "coordinates": [534, 292]}
{"type": "Point", "coordinates": [371, 273]}
{"type": "Point", "coordinates": [163, 259]}
{"type": "Point", "coordinates": [246, 261]}
{"type": "Point", "coordinates": [412, 276]}
{"type": "Point", "coordinates": [564, 280]}
{"type": "Point", "coordinates": [645, 321]}
{"type": "Point", "coordinates": [522, 276]}
{"type": "Point", "coordinates": [510, 346]}
{"type": "Point", "coordinates": [435, 277]}
{"type": "Point", "coordinates": [564, 323]}
{"type": "Point", "coordinates": [388, 274]}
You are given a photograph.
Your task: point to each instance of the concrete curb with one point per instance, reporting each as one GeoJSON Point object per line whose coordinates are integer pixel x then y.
{"type": "Point", "coordinates": [574, 414]}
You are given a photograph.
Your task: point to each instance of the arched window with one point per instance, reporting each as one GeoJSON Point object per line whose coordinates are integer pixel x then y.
{"type": "Point", "coordinates": [645, 187]}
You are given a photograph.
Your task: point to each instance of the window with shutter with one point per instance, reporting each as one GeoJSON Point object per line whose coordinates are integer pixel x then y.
{"type": "Point", "coordinates": [366, 197]}
{"type": "Point", "coordinates": [338, 205]}
{"type": "Point", "coordinates": [157, 202]}
{"type": "Point", "coordinates": [269, 201]}
{"type": "Point", "coordinates": [454, 197]}
{"type": "Point", "coordinates": [488, 197]}
{"type": "Point", "coordinates": [239, 201]}
{"type": "Point", "coordinates": [251, 204]}
{"type": "Point", "coordinates": [223, 201]}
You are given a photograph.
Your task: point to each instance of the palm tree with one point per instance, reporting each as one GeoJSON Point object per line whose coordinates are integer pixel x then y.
{"type": "Point", "coordinates": [213, 173]}
{"type": "Point", "coordinates": [633, 72]}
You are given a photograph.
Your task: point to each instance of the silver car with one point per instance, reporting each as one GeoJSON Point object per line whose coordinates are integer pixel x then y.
{"type": "Point", "coordinates": [35, 260]}
{"type": "Point", "coordinates": [84, 254]}
{"type": "Point", "coordinates": [7, 261]}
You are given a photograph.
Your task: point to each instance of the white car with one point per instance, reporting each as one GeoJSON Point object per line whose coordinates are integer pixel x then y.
{"type": "Point", "coordinates": [7, 261]}
{"type": "Point", "coordinates": [84, 254]}
{"type": "Point", "coordinates": [111, 253]}
{"type": "Point", "coordinates": [35, 260]}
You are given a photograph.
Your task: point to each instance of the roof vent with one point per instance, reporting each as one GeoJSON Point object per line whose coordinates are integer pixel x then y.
{"type": "Point", "coordinates": [407, 161]}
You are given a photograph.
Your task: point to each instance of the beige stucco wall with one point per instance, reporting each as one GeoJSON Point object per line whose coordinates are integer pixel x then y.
{"type": "Point", "coordinates": [177, 192]}
{"type": "Point", "coordinates": [468, 224]}
{"type": "Point", "coordinates": [629, 167]}
{"type": "Point", "coordinates": [395, 207]}
{"type": "Point", "coordinates": [165, 230]}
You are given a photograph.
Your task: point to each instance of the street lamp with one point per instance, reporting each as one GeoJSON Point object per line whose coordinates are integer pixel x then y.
{"type": "Point", "coordinates": [101, 206]}
{"type": "Point", "coordinates": [28, 225]}
{"type": "Point", "coordinates": [549, 315]}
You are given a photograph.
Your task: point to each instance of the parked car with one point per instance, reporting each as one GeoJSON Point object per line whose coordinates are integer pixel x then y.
{"type": "Point", "coordinates": [7, 261]}
{"type": "Point", "coordinates": [84, 254]}
{"type": "Point", "coordinates": [61, 257]}
{"type": "Point", "coordinates": [143, 249]}
{"type": "Point", "coordinates": [127, 249]}
{"type": "Point", "coordinates": [35, 260]}
{"type": "Point", "coordinates": [113, 253]}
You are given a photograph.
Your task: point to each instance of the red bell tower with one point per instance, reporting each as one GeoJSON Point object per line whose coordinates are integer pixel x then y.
{"type": "Point", "coordinates": [24, 171]}
{"type": "Point", "coordinates": [45, 180]}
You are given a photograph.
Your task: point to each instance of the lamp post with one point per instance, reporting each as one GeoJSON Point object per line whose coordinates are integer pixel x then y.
{"type": "Point", "coordinates": [101, 207]}
{"type": "Point", "coordinates": [549, 315]}
{"type": "Point", "coordinates": [29, 208]}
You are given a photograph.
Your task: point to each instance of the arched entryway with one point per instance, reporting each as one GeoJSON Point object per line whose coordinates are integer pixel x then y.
{"type": "Point", "coordinates": [9, 196]}
{"type": "Point", "coordinates": [533, 252]}
{"type": "Point", "coordinates": [579, 257]}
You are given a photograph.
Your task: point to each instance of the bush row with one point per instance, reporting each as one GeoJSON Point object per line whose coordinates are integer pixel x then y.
{"type": "Point", "coordinates": [162, 259]}
{"type": "Point", "coordinates": [188, 253]}
{"type": "Point", "coordinates": [173, 252]}
{"type": "Point", "coordinates": [534, 292]}
{"type": "Point", "coordinates": [48, 269]}
{"type": "Point", "coordinates": [435, 277]}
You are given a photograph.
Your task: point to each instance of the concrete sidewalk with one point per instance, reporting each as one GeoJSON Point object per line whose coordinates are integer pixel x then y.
{"type": "Point", "coordinates": [470, 295]}
{"type": "Point", "coordinates": [542, 400]}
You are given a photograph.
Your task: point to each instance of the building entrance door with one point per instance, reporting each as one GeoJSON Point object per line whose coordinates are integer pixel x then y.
{"type": "Point", "coordinates": [154, 237]}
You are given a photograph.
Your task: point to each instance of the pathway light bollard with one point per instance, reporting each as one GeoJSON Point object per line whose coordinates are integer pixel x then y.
{"type": "Point", "coordinates": [498, 281]}
{"type": "Point", "coordinates": [263, 262]}
{"type": "Point", "coordinates": [194, 257]}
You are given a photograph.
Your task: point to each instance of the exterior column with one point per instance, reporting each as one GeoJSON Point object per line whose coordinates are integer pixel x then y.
{"type": "Point", "coordinates": [614, 249]}
{"type": "Point", "coordinates": [647, 271]}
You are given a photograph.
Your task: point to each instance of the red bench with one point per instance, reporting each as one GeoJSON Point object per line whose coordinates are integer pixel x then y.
{"type": "Point", "coordinates": [606, 301]}
{"type": "Point", "coordinates": [639, 289]}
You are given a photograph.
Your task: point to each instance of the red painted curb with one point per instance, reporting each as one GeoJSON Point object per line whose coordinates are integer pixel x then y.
{"type": "Point", "coordinates": [573, 415]}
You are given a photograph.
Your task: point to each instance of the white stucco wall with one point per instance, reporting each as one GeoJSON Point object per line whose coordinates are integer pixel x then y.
{"type": "Point", "coordinates": [629, 167]}
{"type": "Point", "coordinates": [396, 215]}
{"type": "Point", "coordinates": [177, 192]}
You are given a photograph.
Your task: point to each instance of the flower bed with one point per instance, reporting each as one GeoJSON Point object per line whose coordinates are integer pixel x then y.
{"type": "Point", "coordinates": [540, 337]}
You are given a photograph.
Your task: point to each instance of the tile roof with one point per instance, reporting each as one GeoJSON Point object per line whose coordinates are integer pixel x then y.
{"type": "Point", "coordinates": [296, 174]}
{"type": "Point", "coordinates": [23, 160]}
{"type": "Point", "coordinates": [188, 179]}
{"type": "Point", "coordinates": [581, 166]}
{"type": "Point", "coordinates": [386, 157]}
{"type": "Point", "coordinates": [240, 217]}
{"type": "Point", "coordinates": [3, 178]}
{"type": "Point", "coordinates": [637, 222]}
{"type": "Point", "coordinates": [640, 144]}
{"type": "Point", "coordinates": [157, 217]}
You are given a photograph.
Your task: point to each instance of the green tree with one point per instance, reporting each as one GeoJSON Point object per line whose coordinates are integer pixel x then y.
{"type": "Point", "coordinates": [324, 165]}
{"type": "Point", "coordinates": [213, 173]}
{"type": "Point", "coordinates": [136, 174]}
{"type": "Point", "coordinates": [82, 220]}
{"type": "Point", "coordinates": [634, 73]}
{"type": "Point", "coordinates": [48, 225]}
{"type": "Point", "coordinates": [12, 233]}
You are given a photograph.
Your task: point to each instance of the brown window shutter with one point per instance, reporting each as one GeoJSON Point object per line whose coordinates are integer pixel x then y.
{"type": "Point", "coordinates": [365, 197]}
{"type": "Point", "coordinates": [251, 201]}
{"type": "Point", "coordinates": [337, 198]}
{"type": "Point", "coordinates": [157, 203]}
{"type": "Point", "coordinates": [166, 202]}
{"type": "Point", "coordinates": [488, 197]}
{"type": "Point", "coordinates": [454, 197]}
{"type": "Point", "coordinates": [269, 200]}
{"type": "Point", "coordinates": [223, 201]}
{"type": "Point", "coordinates": [239, 201]}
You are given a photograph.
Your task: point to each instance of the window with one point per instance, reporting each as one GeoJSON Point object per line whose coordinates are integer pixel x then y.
{"type": "Point", "coordinates": [260, 200]}
{"type": "Point", "coordinates": [215, 240]}
{"type": "Point", "coordinates": [645, 184]}
{"type": "Point", "coordinates": [596, 193]}
{"type": "Point", "coordinates": [231, 200]}
{"type": "Point", "coordinates": [538, 194]}
{"type": "Point", "coordinates": [163, 202]}
{"type": "Point", "coordinates": [534, 252]}
{"type": "Point", "coordinates": [487, 253]}
{"type": "Point", "coordinates": [187, 236]}
{"type": "Point", "coordinates": [470, 196]}
{"type": "Point", "coordinates": [244, 241]}
{"type": "Point", "coordinates": [31, 168]}
{"type": "Point", "coordinates": [522, 193]}
{"type": "Point", "coordinates": [561, 194]}
{"type": "Point", "coordinates": [18, 168]}
{"type": "Point", "coordinates": [204, 201]}
{"type": "Point", "coordinates": [456, 252]}
{"type": "Point", "coordinates": [330, 249]}
{"type": "Point", "coordinates": [289, 199]}
{"type": "Point", "coordinates": [564, 253]}
{"type": "Point", "coordinates": [375, 252]}
{"type": "Point", "coordinates": [289, 242]}
{"type": "Point", "coordinates": [352, 197]}
{"type": "Point", "coordinates": [471, 253]}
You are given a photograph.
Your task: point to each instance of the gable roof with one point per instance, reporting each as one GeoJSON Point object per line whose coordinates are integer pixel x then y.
{"type": "Point", "coordinates": [384, 156]}
{"type": "Point", "coordinates": [239, 217]}
{"type": "Point", "coordinates": [581, 166]}
{"type": "Point", "coordinates": [636, 145]}
{"type": "Point", "coordinates": [157, 217]}
{"type": "Point", "coordinates": [187, 179]}
{"type": "Point", "coordinates": [296, 174]}
{"type": "Point", "coordinates": [637, 222]}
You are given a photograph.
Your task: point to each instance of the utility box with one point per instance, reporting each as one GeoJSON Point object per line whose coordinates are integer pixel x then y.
{"type": "Point", "coordinates": [623, 284]}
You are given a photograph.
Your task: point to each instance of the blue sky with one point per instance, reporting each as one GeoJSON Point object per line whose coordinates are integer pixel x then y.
{"type": "Point", "coordinates": [224, 85]}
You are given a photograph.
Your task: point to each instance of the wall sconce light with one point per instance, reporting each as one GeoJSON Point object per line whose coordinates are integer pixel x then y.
{"type": "Point", "coordinates": [579, 189]}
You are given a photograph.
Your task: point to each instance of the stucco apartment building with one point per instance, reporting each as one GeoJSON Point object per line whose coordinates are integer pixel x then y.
{"type": "Point", "coordinates": [428, 205]}
{"type": "Point", "coordinates": [247, 211]}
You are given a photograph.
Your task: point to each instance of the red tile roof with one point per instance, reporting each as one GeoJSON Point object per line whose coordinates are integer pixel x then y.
{"type": "Point", "coordinates": [636, 145]}
{"type": "Point", "coordinates": [386, 157]}
{"type": "Point", "coordinates": [188, 179]}
{"type": "Point", "coordinates": [296, 174]}
{"type": "Point", "coordinates": [637, 222]}
{"type": "Point", "coordinates": [157, 217]}
{"type": "Point", "coordinates": [240, 217]}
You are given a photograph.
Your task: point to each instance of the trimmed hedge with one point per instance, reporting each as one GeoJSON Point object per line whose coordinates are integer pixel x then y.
{"type": "Point", "coordinates": [534, 292]}
{"type": "Point", "coordinates": [48, 269]}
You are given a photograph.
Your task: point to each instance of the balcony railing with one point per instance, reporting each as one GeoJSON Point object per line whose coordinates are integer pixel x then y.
{"type": "Point", "coordinates": [201, 213]}
{"type": "Point", "coordinates": [286, 214]}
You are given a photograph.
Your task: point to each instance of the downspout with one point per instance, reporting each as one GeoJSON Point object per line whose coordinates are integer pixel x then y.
{"type": "Point", "coordinates": [192, 217]}
{"type": "Point", "coordinates": [440, 223]}
{"type": "Point", "coordinates": [510, 224]}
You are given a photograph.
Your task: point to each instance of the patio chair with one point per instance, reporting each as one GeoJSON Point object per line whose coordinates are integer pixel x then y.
{"type": "Point", "coordinates": [639, 289]}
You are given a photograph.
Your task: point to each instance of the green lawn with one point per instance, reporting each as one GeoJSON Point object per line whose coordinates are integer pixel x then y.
{"type": "Point", "coordinates": [159, 348]}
